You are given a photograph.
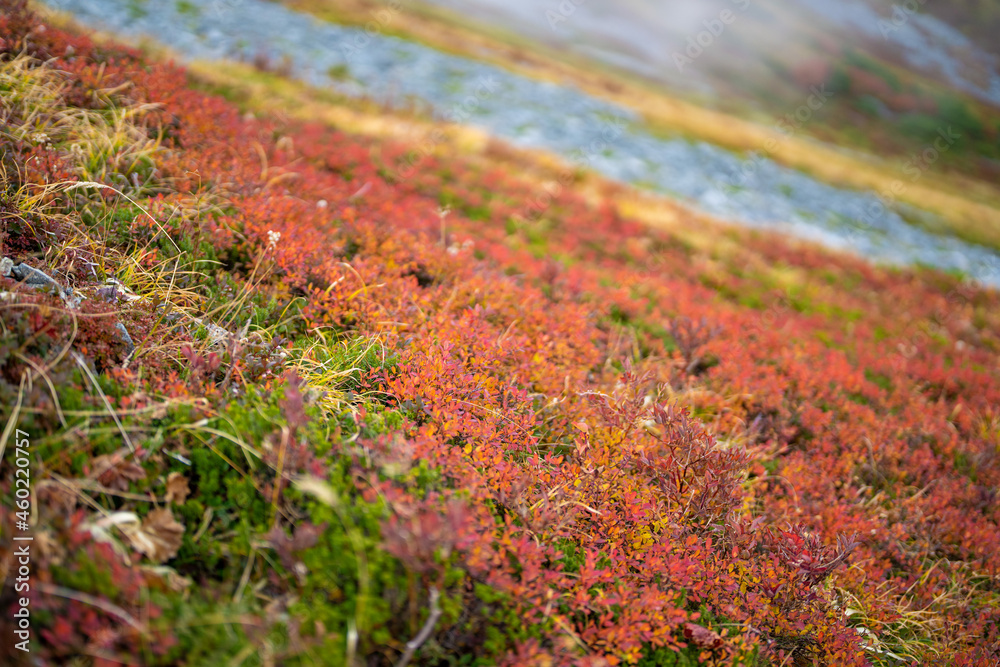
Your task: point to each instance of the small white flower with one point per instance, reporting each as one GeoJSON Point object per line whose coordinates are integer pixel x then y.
{"type": "Point", "coordinates": [272, 239]}
{"type": "Point", "coordinates": [456, 247]}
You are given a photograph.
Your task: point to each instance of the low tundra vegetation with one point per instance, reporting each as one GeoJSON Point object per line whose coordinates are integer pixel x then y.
{"type": "Point", "coordinates": [294, 401]}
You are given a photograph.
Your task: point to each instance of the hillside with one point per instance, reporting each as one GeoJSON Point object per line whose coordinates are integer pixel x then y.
{"type": "Point", "coordinates": [980, 19]}
{"type": "Point", "coordinates": [297, 378]}
{"type": "Point", "coordinates": [893, 72]}
{"type": "Point", "coordinates": [871, 132]}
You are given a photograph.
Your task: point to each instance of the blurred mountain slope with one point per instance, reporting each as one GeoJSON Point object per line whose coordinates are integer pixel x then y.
{"type": "Point", "coordinates": [895, 76]}
{"type": "Point", "coordinates": [647, 36]}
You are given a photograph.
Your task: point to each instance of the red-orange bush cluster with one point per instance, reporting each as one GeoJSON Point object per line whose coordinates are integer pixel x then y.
{"type": "Point", "coordinates": [795, 465]}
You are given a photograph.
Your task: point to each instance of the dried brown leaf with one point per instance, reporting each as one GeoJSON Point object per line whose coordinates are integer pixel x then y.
{"type": "Point", "coordinates": [177, 488]}
{"type": "Point", "coordinates": [114, 472]}
{"type": "Point", "coordinates": [159, 537]}
{"type": "Point", "coordinates": [165, 578]}
{"type": "Point", "coordinates": [702, 637]}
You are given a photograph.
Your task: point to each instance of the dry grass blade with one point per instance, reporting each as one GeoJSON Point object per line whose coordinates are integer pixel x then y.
{"type": "Point", "coordinates": [11, 424]}
{"type": "Point", "coordinates": [101, 186]}
{"type": "Point", "coordinates": [97, 603]}
{"type": "Point", "coordinates": [100, 392]}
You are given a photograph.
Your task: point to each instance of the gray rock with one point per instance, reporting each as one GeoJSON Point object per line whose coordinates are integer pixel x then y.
{"type": "Point", "coordinates": [109, 294]}
{"type": "Point", "coordinates": [72, 299]}
{"type": "Point", "coordinates": [115, 292]}
{"type": "Point", "coordinates": [6, 264]}
{"type": "Point", "coordinates": [32, 277]}
{"type": "Point", "coordinates": [126, 338]}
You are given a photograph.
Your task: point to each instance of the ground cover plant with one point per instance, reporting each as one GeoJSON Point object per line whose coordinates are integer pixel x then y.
{"type": "Point", "coordinates": [296, 396]}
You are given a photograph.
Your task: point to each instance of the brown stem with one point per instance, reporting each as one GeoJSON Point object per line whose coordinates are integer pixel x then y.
{"type": "Point", "coordinates": [425, 632]}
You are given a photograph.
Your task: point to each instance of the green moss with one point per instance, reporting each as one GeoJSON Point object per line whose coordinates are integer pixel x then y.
{"type": "Point", "coordinates": [869, 64]}
{"type": "Point", "coordinates": [187, 8]}
{"type": "Point", "coordinates": [883, 381]}
{"type": "Point", "coordinates": [208, 630]}
{"type": "Point", "coordinates": [339, 72]}
{"type": "Point", "coordinates": [665, 657]}
{"type": "Point", "coordinates": [137, 8]}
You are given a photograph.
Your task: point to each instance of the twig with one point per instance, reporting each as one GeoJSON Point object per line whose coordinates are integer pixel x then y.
{"type": "Point", "coordinates": [425, 632]}
{"type": "Point", "coordinates": [103, 605]}
{"type": "Point", "coordinates": [245, 579]}
{"type": "Point", "coordinates": [44, 376]}
{"type": "Point", "coordinates": [443, 214]}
